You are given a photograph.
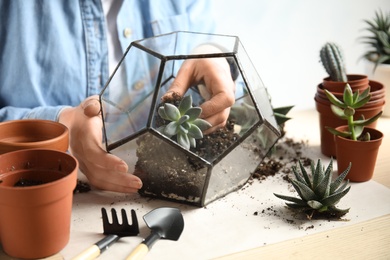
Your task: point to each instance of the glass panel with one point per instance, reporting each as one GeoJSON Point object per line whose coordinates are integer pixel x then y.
{"type": "Point", "coordinates": [256, 85]}
{"type": "Point", "coordinates": [167, 172]}
{"type": "Point", "coordinates": [127, 100]}
{"type": "Point", "coordinates": [183, 43]}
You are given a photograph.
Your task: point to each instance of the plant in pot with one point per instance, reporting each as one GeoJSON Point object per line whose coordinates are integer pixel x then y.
{"type": "Point", "coordinates": [318, 194]}
{"type": "Point", "coordinates": [378, 52]}
{"type": "Point", "coordinates": [163, 139]}
{"type": "Point", "coordinates": [355, 142]}
{"type": "Point", "coordinates": [332, 60]}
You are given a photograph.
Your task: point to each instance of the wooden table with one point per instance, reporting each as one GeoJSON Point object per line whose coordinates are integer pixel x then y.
{"type": "Point", "coordinates": [366, 240]}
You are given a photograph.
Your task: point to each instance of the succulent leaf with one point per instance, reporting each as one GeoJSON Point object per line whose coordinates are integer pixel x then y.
{"type": "Point", "coordinates": [195, 132]}
{"type": "Point", "coordinates": [183, 140]}
{"type": "Point", "coordinates": [334, 100]}
{"type": "Point", "coordinates": [323, 188]}
{"type": "Point", "coordinates": [348, 96]}
{"type": "Point", "coordinates": [185, 104]}
{"type": "Point", "coordinates": [307, 192]}
{"type": "Point", "coordinates": [192, 141]}
{"type": "Point", "coordinates": [336, 183]}
{"type": "Point", "coordinates": [297, 174]}
{"type": "Point", "coordinates": [315, 204]}
{"type": "Point", "coordinates": [171, 112]}
{"type": "Point", "coordinates": [339, 133]}
{"type": "Point", "coordinates": [304, 174]}
{"type": "Point", "coordinates": [335, 197]}
{"type": "Point", "coordinates": [171, 129]}
{"type": "Point", "coordinates": [338, 111]}
{"type": "Point", "coordinates": [317, 173]}
{"type": "Point", "coordinates": [292, 199]}
{"type": "Point", "coordinates": [202, 124]}
{"type": "Point", "coordinates": [193, 113]}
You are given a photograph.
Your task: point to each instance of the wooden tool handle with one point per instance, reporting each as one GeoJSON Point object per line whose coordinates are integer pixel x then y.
{"type": "Point", "coordinates": [139, 252]}
{"type": "Point", "coordinates": [88, 254]}
{"type": "Point", "coordinates": [98, 248]}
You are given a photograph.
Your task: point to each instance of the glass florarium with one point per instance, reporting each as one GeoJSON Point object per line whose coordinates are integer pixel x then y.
{"type": "Point", "coordinates": [212, 166]}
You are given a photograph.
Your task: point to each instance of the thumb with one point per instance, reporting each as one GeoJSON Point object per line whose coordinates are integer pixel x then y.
{"type": "Point", "coordinates": [91, 106]}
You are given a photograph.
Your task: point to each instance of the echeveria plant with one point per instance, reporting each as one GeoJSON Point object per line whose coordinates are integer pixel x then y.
{"type": "Point", "coordinates": [184, 123]}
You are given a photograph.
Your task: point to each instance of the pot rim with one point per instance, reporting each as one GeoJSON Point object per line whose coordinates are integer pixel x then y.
{"type": "Point", "coordinates": [36, 152]}
{"type": "Point", "coordinates": [28, 122]}
{"type": "Point", "coordinates": [366, 128]}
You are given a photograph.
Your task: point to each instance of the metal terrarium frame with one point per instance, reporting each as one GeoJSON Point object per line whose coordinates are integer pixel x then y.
{"type": "Point", "coordinates": [129, 119]}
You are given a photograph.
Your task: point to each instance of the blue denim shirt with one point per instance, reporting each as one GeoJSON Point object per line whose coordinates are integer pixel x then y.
{"type": "Point", "coordinates": [54, 52]}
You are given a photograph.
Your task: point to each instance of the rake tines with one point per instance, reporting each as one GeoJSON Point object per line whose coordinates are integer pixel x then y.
{"type": "Point", "coordinates": [124, 229]}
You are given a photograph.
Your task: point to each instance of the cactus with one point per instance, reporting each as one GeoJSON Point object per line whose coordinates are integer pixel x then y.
{"type": "Point", "coordinates": [332, 60]}
{"type": "Point", "coordinates": [184, 122]}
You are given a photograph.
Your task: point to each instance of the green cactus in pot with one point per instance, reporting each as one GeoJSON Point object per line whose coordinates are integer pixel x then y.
{"type": "Point", "coordinates": [333, 62]}
{"type": "Point", "coordinates": [346, 109]}
{"type": "Point", "coordinates": [184, 122]}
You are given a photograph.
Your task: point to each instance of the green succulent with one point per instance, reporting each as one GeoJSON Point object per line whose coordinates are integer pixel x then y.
{"type": "Point", "coordinates": [333, 62]}
{"type": "Point", "coordinates": [346, 109]}
{"type": "Point", "coordinates": [280, 114]}
{"type": "Point", "coordinates": [183, 122]}
{"type": "Point", "coordinates": [379, 39]}
{"type": "Point", "coordinates": [318, 193]}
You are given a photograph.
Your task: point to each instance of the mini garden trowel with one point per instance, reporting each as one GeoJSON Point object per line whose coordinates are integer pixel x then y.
{"type": "Point", "coordinates": [165, 223]}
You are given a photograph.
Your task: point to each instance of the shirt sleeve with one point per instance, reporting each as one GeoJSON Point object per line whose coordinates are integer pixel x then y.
{"type": "Point", "coordinates": [13, 113]}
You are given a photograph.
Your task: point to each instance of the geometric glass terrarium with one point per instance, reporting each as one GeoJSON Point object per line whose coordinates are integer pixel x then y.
{"type": "Point", "coordinates": [219, 163]}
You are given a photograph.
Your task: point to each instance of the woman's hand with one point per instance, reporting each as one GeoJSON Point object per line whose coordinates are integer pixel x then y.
{"type": "Point", "coordinates": [214, 74]}
{"type": "Point", "coordinates": [103, 170]}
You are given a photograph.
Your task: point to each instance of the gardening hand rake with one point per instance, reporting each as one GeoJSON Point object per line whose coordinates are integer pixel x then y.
{"type": "Point", "coordinates": [114, 231]}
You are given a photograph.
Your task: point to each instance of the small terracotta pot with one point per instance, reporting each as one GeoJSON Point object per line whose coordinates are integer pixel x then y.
{"type": "Point", "coordinates": [362, 155]}
{"type": "Point", "coordinates": [35, 220]}
{"type": "Point", "coordinates": [32, 133]}
{"type": "Point", "coordinates": [355, 81]}
{"type": "Point", "coordinates": [328, 118]}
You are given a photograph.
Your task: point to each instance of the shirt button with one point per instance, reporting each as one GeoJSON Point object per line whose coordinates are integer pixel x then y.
{"type": "Point", "coordinates": [127, 32]}
{"type": "Point", "coordinates": [139, 85]}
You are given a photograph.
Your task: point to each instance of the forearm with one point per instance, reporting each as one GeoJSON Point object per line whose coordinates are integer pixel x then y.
{"type": "Point", "coordinates": [15, 113]}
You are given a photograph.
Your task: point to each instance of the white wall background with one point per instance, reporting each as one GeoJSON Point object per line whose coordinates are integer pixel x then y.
{"type": "Point", "coordinates": [283, 39]}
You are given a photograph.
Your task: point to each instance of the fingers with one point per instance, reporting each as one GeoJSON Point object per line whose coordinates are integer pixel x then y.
{"type": "Point", "coordinates": [182, 81]}
{"type": "Point", "coordinates": [110, 173]}
{"type": "Point", "coordinates": [215, 75]}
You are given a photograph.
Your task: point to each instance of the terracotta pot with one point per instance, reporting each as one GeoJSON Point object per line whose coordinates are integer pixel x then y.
{"type": "Point", "coordinates": [327, 118]}
{"type": "Point", "coordinates": [356, 82]}
{"type": "Point", "coordinates": [382, 75]}
{"type": "Point", "coordinates": [377, 92]}
{"type": "Point", "coordinates": [362, 155]}
{"type": "Point", "coordinates": [35, 220]}
{"type": "Point", "coordinates": [31, 133]}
